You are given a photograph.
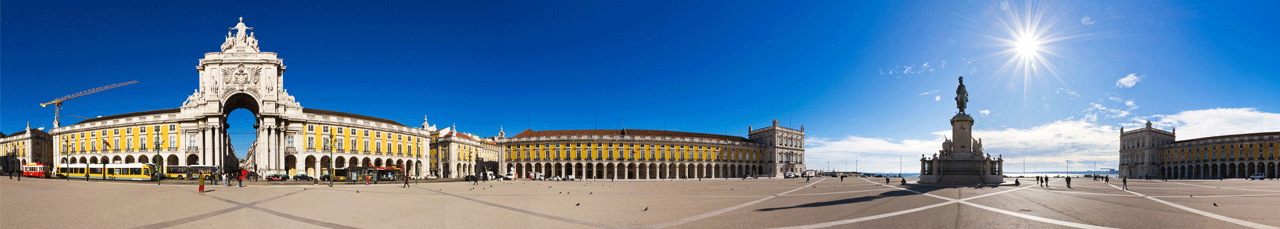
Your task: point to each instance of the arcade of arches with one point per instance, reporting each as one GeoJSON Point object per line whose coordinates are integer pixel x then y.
{"type": "Point", "coordinates": [289, 139]}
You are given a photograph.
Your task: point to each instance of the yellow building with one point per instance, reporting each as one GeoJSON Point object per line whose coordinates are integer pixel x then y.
{"type": "Point", "coordinates": [653, 154]}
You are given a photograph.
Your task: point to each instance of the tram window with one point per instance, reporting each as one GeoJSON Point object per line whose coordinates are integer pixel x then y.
{"type": "Point", "coordinates": [135, 171]}
{"type": "Point", "coordinates": [95, 170]}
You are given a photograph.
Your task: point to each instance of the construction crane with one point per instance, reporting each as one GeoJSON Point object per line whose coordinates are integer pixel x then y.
{"type": "Point", "coordinates": [57, 103]}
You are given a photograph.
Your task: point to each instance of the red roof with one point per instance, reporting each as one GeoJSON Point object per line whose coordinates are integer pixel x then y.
{"type": "Point", "coordinates": [529, 133]}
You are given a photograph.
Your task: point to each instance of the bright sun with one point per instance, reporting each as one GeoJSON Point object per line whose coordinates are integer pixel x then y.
{"type": "Point", "coordinates": [1028, 45]}
{"type": "Point", "coordinates": [1030, 42]}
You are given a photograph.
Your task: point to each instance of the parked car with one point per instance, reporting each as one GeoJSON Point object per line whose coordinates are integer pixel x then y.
{"type": "Point", "coordinates": [1258, 176]}
{"type": "Point", "coordinates": [509, 177]}
{"type": "Point", "coordinates": [555, 178]}
{"type": "Point", "coordinates": [303, 177]}
{"type": "Point", "coordinates": [570, 178]}
{"type": "Point", "coordinates": [469, 178]}
{"type": "Point", "coordinates": [277, 177]}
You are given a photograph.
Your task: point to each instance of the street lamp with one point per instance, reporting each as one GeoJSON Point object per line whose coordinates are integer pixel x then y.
{"type": "Point", "coordinates": [65, 162]}
{"type": "Point", "coordinates": [159, 167]}
{"type": "Point", "coordinates": [331, 160]}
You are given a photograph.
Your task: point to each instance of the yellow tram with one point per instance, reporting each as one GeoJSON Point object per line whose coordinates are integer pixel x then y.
{"type": "Point", "coordinates": [135, 171]}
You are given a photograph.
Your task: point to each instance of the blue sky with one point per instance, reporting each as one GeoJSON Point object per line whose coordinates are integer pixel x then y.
{"type": "Point", "coordinates": [870, 81]}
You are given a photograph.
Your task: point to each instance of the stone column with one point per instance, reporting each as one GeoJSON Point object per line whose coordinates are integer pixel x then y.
{"type": "Point", "coordinates": [317, 170]}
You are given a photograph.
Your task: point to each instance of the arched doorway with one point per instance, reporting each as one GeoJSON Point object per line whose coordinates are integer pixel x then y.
{"type": "Point", "coordinates": [193, 159]}
{"type": "Point", "coordinates": [290, 165]}
{"type": "Point", "coordinates": [240, 122]}
{"type": "Point", "coordinates": [172, 160]}
{"type": "Point", "coordinates": [310, 164]}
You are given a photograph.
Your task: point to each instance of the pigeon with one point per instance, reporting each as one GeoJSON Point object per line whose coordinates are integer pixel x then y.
{"type": "Point", "coordinates": [592, 193]}
{"type": "Point", "coordinates": [579, 204]}
{"type": "Point", "coordinates": [1215, 204]}
{"type": "Point", "coordinates": [645, 209]}
{"type": "Point", "coordinates": [357, 191]}
{"type": "Point", "coordinates": [561, 192]}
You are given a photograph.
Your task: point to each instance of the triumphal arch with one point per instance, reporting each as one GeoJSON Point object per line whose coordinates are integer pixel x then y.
{"type": "Point", "coordinates": [290, 139]}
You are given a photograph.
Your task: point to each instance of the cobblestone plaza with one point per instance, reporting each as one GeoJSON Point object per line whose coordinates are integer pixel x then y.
{"type": "Point", "coordinates": [711, 203]}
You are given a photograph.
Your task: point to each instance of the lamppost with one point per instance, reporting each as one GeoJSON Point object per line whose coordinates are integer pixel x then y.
{"type": "Point", "coordinates": [159, 166]}
{"type": "Point", "coordinates": [332, 170]}
{"type": "Point", "coordinates": [65, 165]}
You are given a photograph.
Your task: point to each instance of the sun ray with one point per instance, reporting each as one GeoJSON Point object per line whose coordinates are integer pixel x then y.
{"type": "Point", "coordinates": [1028, 35]}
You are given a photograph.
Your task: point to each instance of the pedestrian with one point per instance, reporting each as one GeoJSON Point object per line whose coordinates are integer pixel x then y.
{"type": "Point", "coordinates": [240, 180]}
{"type": "Point", "coordinates": [201, 184]}
{"type": "Point", "coordinates": [841, 178]}
{"type": "Point", "coordinates": [1126, 182]}
{"type": "Point", "coordinates": [886, 179]}
{"type": "Point", "coordinates": [1068, 181]}
{"type": "Point", "coordinates": [406, 181]}
{"type": "Point", "coordinates": [806, 179]}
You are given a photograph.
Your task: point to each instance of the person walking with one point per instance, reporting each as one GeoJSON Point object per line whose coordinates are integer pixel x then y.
{"type": "Point", "coordinates": [1068, 181]}
{"type": "Point", "coordinates": [406, 181]}
{"type": "Point", "coordinates": [1126, 182]}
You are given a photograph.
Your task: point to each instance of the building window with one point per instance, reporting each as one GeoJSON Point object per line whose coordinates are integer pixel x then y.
{"type": "Point", "coordinates": [353, 145]}
{"type": "Point", "coordinates": [311, 142]}
{"type": "Point", "coordinates": [289, 141]}
{"type": "Point", "coordinates": [172, 142]}
{"type": "Point", "coordinates": [366, 144]}
{"type": "Point", "coordinates": [311, 129]}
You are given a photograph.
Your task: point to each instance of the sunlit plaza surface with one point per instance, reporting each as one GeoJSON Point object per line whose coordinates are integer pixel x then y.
{"type": "Point", "coordinates": [710, 203]}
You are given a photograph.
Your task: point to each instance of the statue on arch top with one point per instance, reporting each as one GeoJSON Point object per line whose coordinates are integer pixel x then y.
{"type": "Point", "coordinates": [962, 96]}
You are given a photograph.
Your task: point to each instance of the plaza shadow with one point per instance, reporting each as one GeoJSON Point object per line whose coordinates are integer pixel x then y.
{"type": "Point", "coordinates": [895, 193]}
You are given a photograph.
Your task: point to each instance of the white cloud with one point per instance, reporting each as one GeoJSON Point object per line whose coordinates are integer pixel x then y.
{"type": "Point", "coordinates": [985, 112]}
{"type": "Point", "coordinates": [1091, 114]}
{"type": "Point", "coordinates": [937, 98]}
{"type": "Point", "coordinates": [1068, 92]}
{"type": "Point", "coordinates": [1087, 21]}
{"type": "Point", "coordinates": [1045, 148]}
{"type": "Point", "coordinates": [928, 92]}
{"type": "Point", "coordinates": [1129, 81]}
{"type": "Point", "coordinates": [1004, 6]}
{"type": "Point", "coordinates": [1214, 122]}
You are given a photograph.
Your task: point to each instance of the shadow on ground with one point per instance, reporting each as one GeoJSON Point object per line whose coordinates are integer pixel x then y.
{"type": "Point", "coordinates": [895, 193]}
